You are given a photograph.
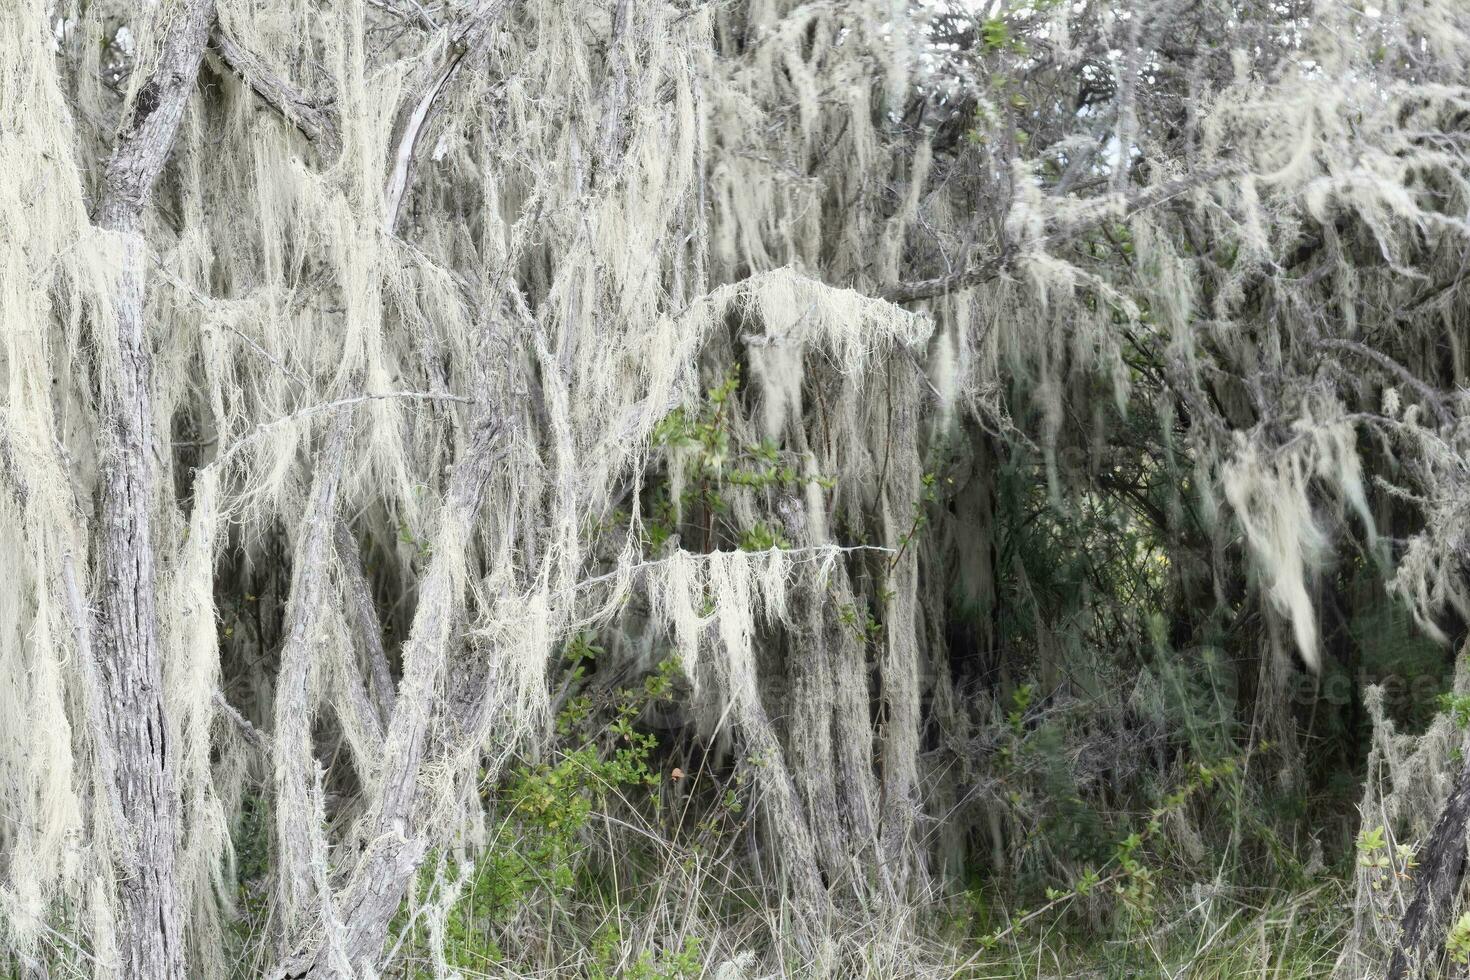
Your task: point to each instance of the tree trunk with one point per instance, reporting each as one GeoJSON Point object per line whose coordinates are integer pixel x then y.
{"type": "Point", "coordinates": [131, 660]}
{"type": "Point", "coordinates": [900, 499]}
{"type": "Point", "coordinates": [397, 844]}
{"type": "Point", "coordinates": [1441, 870]}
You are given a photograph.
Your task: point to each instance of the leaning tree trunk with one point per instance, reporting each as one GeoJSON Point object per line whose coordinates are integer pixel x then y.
{"type": "Point", "coordinates": [131, 660]}
{"type": "Point", "coordinates": [397, 845]}
{"type": "Point", "coordinates": [1442, 869]}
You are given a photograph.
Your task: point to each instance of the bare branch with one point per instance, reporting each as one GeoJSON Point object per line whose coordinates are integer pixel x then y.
{"type": "Point", "coordinates": [466, 37]}
{"type": "Point", "coordinates": [257, 738]}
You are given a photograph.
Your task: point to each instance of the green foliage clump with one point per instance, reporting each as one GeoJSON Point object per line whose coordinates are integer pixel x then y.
{"type": "Point", "coordinates": [543, 814]}
{"type": "Point", "coordinates": [717, 461]}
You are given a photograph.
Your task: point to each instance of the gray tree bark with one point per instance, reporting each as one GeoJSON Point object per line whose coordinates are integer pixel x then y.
{"type": "Point", "coordinates": [1422, 931]}
{"type": "Point", "coordinates": [151, 940]}
{"type": "Point", "coordinates": [312, 116]}
{"type": "Point", "coordinates": [396, 844]}
{"type": "Point", "coordinates": [363, 616]}
{"type": "Point", "coordinates": [296, 834]}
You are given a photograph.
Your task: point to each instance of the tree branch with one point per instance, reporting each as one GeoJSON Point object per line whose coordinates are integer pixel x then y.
{"type": "Point", "coordinates": [465, 38]}
{"type": "Point", "coordinates": [1117, 208]}
{"type": "Point", "coordinates": [1433, 398]}
{"type": "Point", "coordinates": [265, 428]}
{"type": "Point", "coordinates": [257, 738]}
{"type": "Point", "coordinates": [363, 616]}
{"type": "Point", "coordinates": [315, 121]}
{"type": "Point", "coordinates": [148, 139]}
{"type": "Point", "coordinates": [293, 702]}
{"type": "Point", "coordinates": [414, 12]}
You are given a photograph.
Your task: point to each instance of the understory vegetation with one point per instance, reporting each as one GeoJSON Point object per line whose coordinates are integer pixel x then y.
{"type": "Point", "coordinates": [734, 489]}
